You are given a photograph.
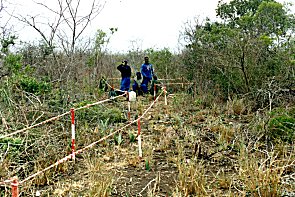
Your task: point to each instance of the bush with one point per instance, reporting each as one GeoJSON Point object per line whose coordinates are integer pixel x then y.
{"type": "Point", "coordinates": [111, 115]}
{"type": "Point", "coordinates": [12, 145]}
{"type": "Point", "coordinates": [114, 115]}
{"type": "Point", "coordinates": [13, 63]}
{"type": "Point", "coordinates": [282, 127]}
{"type": "Point", "coordinates": [31, 85]}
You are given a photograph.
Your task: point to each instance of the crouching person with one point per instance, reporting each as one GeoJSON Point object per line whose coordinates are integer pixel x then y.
{"type": "Point", "coordinates": [136, 86]}
{"type": "Point", "coordinates": [155, 85]}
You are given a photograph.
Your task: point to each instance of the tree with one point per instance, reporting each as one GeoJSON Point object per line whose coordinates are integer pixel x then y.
{"type": "Point", "coordinates": [69, 22]}
{"type": "Point", "coordinates": [98, 51]}
{"type": "Point", "coordinates": [243, 50]}
{"type": "Point", "coordinates": [62, 34]}
{"type": "Point", "coordinates": [163, 61]}
{"type": "Point", "coordinates": [6, 34]}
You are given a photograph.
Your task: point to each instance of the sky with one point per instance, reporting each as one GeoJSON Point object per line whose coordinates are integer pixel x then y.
{"type": "Point", "coordinates": [141, 24]}
{"type": "Point", "coordinates": [152, 23]}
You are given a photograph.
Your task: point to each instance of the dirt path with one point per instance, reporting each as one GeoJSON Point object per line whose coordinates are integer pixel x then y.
{"type": "Point", "coordinates": [155, 173]}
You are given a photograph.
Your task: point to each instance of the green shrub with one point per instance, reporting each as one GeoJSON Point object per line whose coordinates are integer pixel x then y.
{"type": "Point", "coordinates": [88, 114]}
{"type": "Point", "coordinates": [13, 63]}
{"type": "Point", "coordinates": [32, 85]}
{"type": "Point", "coordinates": [282, 127]}
{"type": "Point", "coordinates": [114, 115]}
{"type": "Point", "coordinates": [12, 145]}
{"type": "Point", "coordinates": [111, 115]}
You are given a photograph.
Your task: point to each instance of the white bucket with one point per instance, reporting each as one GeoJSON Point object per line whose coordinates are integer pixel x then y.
{"type": "Point", "coordinates": [132, 96]}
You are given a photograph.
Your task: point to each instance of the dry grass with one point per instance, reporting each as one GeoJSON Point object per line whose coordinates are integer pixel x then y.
{"type": "Point", "coordinates": [236, 106]}
{"type": "Point", "coordinates": [192, 149]}
{"type": "Point", "coordinates": [192, 179]}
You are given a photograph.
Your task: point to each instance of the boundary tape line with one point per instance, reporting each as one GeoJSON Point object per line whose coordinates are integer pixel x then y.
{"type": "Point", "coordinates": [4, 183]}
{"type": "Point", "coordinates": [112, 87]}
{"type": "Point", "coordinates": [92, 144]}
{"type": "Point", "coordinates": [178, 83]}
{"type": "Point", "coordinates": [170, 79]}
{"type": "Point", "coordinates": [14, 182]}
{"type": "Point", "coordinates": [59, 116]}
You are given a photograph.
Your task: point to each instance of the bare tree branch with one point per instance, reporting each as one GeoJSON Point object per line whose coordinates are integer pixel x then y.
{"type": "Point", "coordinates": [66, 28]}
{"type": "Point", "coordinates": [66, 14]}
{"type": "Point", "coordinates": [1, 5]}
{"type": "Point", "coordinates": [76, 23]}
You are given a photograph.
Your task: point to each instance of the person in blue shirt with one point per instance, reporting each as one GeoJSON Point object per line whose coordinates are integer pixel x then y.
{"type": "Point", "coordinates": [125, 70]}
{"type": "Point", "coordinates": [147, 72]}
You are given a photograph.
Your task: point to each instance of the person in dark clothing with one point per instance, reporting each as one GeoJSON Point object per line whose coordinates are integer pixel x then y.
{"type": "Point", "coordinates": [147, 72]}
{"type": "Point", "coordinates": [125, 70]}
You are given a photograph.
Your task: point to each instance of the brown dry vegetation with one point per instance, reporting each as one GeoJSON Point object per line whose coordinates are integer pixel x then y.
{"type": "Point", "coordinates": [231, 133]}
{"type": "Point", "coordinates": [191, 147]}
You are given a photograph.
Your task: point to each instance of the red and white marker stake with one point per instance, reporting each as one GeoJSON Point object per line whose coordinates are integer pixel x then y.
{"type": "Point", "coordinates": [14, 187]}
{"type": "Point", "coordinates": [139, 139]}
{"type": "Point", "coordinates": [73, 133]}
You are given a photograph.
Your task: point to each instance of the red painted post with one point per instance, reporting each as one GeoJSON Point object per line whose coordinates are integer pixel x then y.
{"type": "Point", "coordinates": [73, 133]}
{"type": "Point", "coordinates": [139, 139]}
{"type": "Point", "coordinates": [14, 187]}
